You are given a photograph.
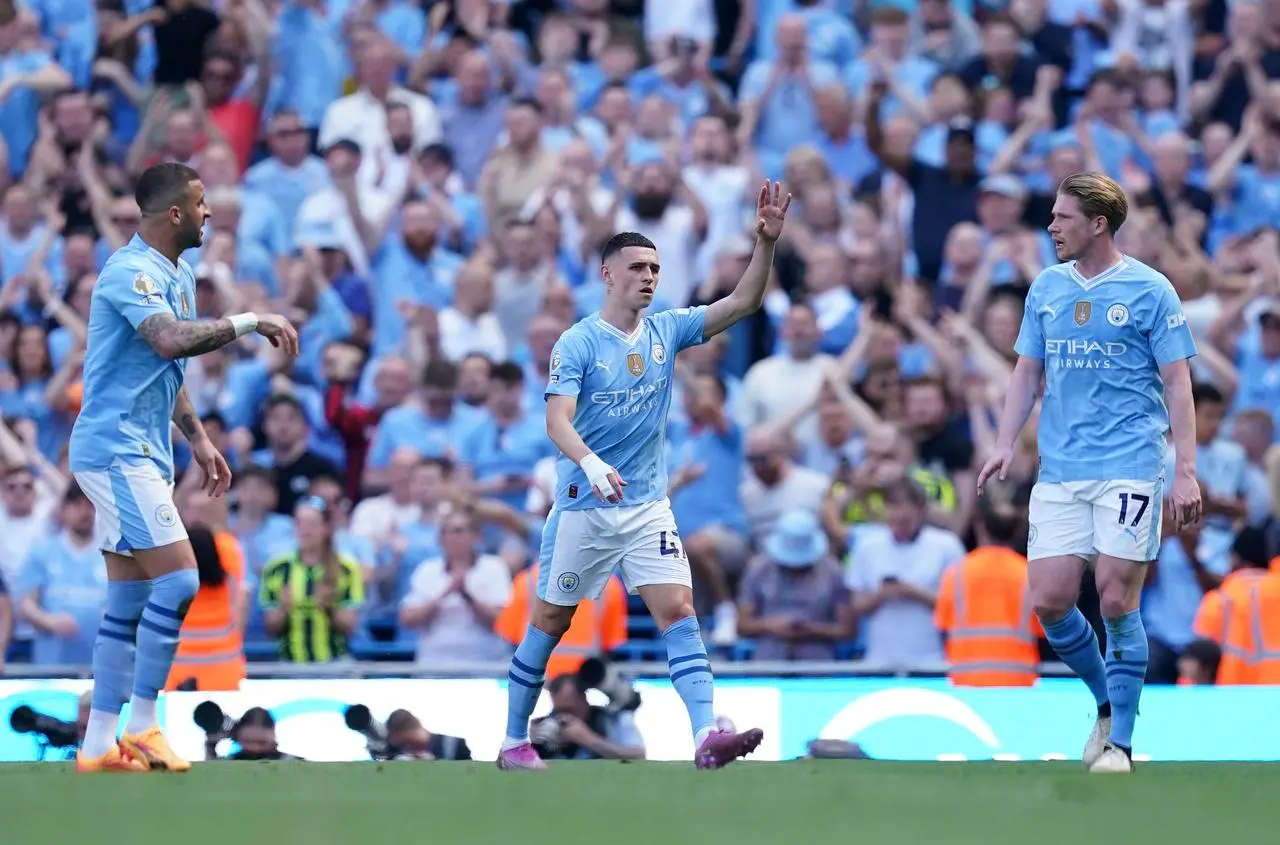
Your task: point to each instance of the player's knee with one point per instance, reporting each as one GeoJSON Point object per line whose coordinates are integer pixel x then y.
{"type": "Point", "coordinates": [176, 590]}
{"type": "Point", "coordinates": [669, 614]}
{"type": "Point", "coordinates": [1051, 605]}
{"type": "Point", "coordinates": [1114, 601]}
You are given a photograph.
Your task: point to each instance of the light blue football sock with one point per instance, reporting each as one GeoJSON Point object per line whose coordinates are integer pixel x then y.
{"type": "Point", "coordinates": [691, 673]}
{"type": "Point", "coordinates": [524, 681]}
{"type": "Point", "coordinates": [1073, 638]}
{"type": "Point", "coordinates": [171, 595]}
{"type": "Point", "coordinates": [1126, 671]}
{"type": "Point", "coordinates": [113, 656]}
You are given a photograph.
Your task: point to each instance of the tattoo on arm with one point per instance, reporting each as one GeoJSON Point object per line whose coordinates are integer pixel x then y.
{"type": "Point", "coordinates": [174, 338]}
{"type": "Point", "coordinates": [189, 425]}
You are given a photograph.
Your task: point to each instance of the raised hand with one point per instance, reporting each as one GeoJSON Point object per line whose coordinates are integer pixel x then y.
{"type": "Point", "coordinates": [771, 211]}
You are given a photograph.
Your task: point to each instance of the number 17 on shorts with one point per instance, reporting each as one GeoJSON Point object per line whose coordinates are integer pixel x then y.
{"type": "Point", "coordinates": [1084, 518]}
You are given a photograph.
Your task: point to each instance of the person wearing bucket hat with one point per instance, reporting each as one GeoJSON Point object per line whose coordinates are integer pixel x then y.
{"type": "Point", "coordinates": [792, 600]}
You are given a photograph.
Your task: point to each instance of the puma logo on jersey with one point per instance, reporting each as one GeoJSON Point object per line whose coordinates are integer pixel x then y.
{"type": "Point", "coordinates": [1050, 310]}
{"type": "Point", "coordinates": [604, 365]}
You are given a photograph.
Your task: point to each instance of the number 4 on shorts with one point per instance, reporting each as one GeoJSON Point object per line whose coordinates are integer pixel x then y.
{"type": "Point", "coordinates": [1142, 502]}
{"type": "Point", "coordinates": [669, 544]}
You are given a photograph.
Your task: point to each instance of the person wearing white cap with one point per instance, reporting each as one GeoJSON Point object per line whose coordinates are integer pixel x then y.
{"type": "Point", "coordinates": [792, 600]}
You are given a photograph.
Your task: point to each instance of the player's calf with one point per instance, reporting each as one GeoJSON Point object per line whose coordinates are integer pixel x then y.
{"type": "Point", "coordinates": [1119, 592]}
{"type": "Point", "coordinates": [158, 632]}
{"type": "Point", "coordinates": [525, 679]}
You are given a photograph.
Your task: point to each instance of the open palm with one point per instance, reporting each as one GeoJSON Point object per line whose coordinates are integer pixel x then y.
{"type": "Point", "coordinates": [771, 211]}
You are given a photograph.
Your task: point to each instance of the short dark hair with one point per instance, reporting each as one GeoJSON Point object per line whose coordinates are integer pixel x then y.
{"type": "Point", "coordinates": [527, 103]}
{"type": "Point", "coordinates": [440, 373]}
{"type": "Point", "coordinates": [279, 399]}
{"type": "Point", "coordinates": [216, 418]}
{"type": "Point", "coordinates": [162, 186]}
{"type": "Point", "coordinates": [74, 494]}
{"type": "Point", "coordinates": [1205, 652]}
{"type": "Point", "coordinates": [255, 471]}
{"type": "Point", "coordinates": [621, 241]}
{"type": "Point", "coordinates": [402, 720]}
{"type": "Point", "coordinates": [507, 372]}
{"type": "Point", "coordinates": [441, 463]}
{"type": "Point", "coordinates": [906, 491]}
{"type": "Point", "coordinates": [1203, 392]}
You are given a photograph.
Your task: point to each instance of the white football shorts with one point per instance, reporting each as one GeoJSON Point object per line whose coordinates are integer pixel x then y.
{"type": "Point", "coordinates": [1085, 518]}
{"type": "Point", "coordinates": [133, 507]}
{"type": "Point", "coordinates": [581, 548]}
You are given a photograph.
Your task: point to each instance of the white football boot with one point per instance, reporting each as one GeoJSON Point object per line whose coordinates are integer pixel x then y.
{"type": "Point", "coordinates": [1097, 742]}
{"type": "Point", "coordinates": [1112, 762]}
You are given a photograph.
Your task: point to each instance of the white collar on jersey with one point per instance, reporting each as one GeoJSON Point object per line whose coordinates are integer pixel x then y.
{"type": "Point", "coordinates": [1101, 277]}
{"type": "Point", "coordinates": [628, 339]}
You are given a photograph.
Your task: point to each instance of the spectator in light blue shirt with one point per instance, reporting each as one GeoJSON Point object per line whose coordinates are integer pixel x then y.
{"type": "Point", "coordinates": [410, 270]}
{"type": "Point", "coordinates": [309, 61]}
{"type": "Point", "coordinates": [705, 459]}
{"type": "Point", "coordinates": [263, 533]}
{"type": "Point", "coordinates": [777, 99]}
{"type": "Point", "coordinates": [63, 587]}
{"type": "Point", "coordinates": [502, 450]}
{"type": "Point", "coordinates": [434, 425]}
{"type": "Point", "coordinates": [25, 75]}
{"type": "Point", "coordinates": [291, 173]}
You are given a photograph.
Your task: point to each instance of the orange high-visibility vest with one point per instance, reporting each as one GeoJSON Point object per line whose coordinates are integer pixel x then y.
{"type": "Point", "coordinates": [984, 607]}
{"type": "Point", "coordinates": [1253, 631]}
{"type": "Point", "coordinates": [1275, 564]}
{"type": "Point", "coordinates": [599, 626]}
{"type": "Point", "coordinates": [211, 643]}
{"type": "Point", "coordinates": [1214, 622]}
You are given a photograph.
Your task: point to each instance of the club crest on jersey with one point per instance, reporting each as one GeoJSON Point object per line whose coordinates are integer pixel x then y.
{"type": "Point", "coordinates": [1117, 315]}
{"type": "Point", "coordinates": [1084, 310]}
{"type": "Point", "coordinates": [659, 354]}
{"type": "Point", "coordinates": [635, 364]}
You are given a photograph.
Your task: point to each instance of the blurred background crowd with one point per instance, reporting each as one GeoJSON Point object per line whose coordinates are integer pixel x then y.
{"type": "Point", "coordinates": [424, 187]}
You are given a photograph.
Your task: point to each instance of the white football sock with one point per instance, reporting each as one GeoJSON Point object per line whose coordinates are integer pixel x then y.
{"type": "Point", "coordinates": [142, 715]}
{"type": "Point", "coordinates": [100, 736]}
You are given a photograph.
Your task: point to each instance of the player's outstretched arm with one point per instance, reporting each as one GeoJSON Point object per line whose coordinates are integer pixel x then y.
{"type": "Point", "coordinates": [173, 338]}
{"type": "Point", "coordinates": [771, 213]}
{"type": "Point", "coordinates": [604, 479]}
{"type": "Point", "coordinates": [1024, 386]}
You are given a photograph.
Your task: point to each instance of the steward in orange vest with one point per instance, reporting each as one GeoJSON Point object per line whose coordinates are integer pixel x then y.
{"type": "Point", "coordinates": [984, 611]}
{"type": "Point", "coordinates": [211, 642]}
{"type": "Point", "coordinates": [1243, 615]}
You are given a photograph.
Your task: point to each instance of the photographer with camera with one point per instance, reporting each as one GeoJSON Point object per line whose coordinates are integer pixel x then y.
{"type": "Point", "coordinates": [577, 730]}
{"type": "Point", "coordinates": [403, 737]}
{"type": "Point", "coordinates": [255, 733]}
{"type": "Point", "coordinates": [51, 732]}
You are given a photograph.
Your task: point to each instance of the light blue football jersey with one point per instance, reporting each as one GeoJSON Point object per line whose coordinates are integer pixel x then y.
{"type": "Point", "coordinates": [623, 385]}
{"type": "Point", "coordinates": [129, 390]}
{"type": "Point", "coordinates": [1103, 341]}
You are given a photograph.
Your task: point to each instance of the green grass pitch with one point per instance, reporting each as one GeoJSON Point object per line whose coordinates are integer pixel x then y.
{"type": "Point", "coordinates": [798, 803]}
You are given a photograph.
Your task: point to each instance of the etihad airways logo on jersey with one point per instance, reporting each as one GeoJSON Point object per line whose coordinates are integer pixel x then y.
{"type": "Point", "coordinates": [1084, 354]}
{"type": "Point", "coordinates": [634, 400]}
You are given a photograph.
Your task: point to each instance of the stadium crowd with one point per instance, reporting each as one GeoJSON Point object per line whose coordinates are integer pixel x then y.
{"type": "Point", "coordinates": [424, 188]}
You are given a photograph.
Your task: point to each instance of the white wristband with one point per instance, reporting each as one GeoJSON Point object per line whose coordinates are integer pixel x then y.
{"type": "Point", "coordinates": [244, 323]}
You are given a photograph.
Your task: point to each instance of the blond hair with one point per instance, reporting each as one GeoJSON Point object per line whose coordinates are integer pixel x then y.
{"type": "Point", "coordinates": [1099, 196]}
